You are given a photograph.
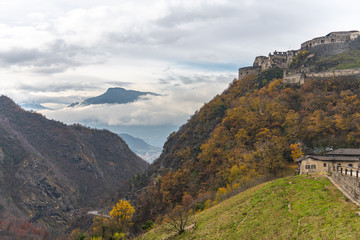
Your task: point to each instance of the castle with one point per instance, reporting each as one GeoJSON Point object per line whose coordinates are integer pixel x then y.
{"type": "Point", "coordinates": [329, 45]}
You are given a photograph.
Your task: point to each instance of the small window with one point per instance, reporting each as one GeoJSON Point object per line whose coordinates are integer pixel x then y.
{"type": "Point", "coordinates": [313, 166]}
{"type": "Point", "coordinates": [350, 165]}
{"type": "Point", "coordinates": [324, 164]}
{"type": "Point", "coordinates": [307, 166]}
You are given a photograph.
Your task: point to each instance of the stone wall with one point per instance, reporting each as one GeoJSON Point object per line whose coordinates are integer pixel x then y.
{"type": "Point", "coordinates": [315, 166]}
{"type": "Point", "coordinates": [279, 59]}
{"type": "Point", "coordinates": [262, 62]}
{"type": "Point", "coordinates": [294, 78]}
{"type": "Point", "coordinates": [351, 184]}
{"type": "Point", "coordinates": [334, 73]}
{"type": "Point", "coordinates": [247, 71]}
{"type": "Point", "coordinates": [332, 44]}
{"type": "Point", "coordinates": [331, 49]}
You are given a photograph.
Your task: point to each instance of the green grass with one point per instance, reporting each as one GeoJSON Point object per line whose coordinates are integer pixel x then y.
{"type": "Point", "coordinates": [347, 60]}
{"type": "Point", "coordinates": [301, 207]}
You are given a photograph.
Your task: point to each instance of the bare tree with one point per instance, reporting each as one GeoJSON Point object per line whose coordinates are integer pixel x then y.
{"type": "Point", "coordinates": [178, 218]}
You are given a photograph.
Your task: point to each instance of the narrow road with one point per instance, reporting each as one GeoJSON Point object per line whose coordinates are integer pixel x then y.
{"type": "Point", "coordinates": [96, 213]}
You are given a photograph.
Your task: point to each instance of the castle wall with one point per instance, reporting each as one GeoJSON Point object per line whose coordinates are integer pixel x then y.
{"type": "Point", "coordinates": [262, 62]}
{"type": "Point", "coordinates": [330, 49]}
{"type": "Point", "coordinates": [279, 60]}
{"type": "Point", "coordinates": [247, 71]}
{"type": "Point", "coordinates": [335, 73]}
{"type": "Point", "coordinates": [333, 43]}
{"type": "Point", "coordinates": [294, 78]}
{"type": "Point", "coordinates": [355, 44]}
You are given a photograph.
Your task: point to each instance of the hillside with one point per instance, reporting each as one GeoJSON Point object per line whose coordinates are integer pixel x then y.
{"type": "Point", "coordinates": [346, 60]}
{"type": "Point", "coordinates": [302, 207]}
{"type": "Point", "coordinates": [141, 148]}
{"type": "Point", "coordinates": [247, 135]}
{"type": "Point", "coordinates": [50, 171]}
{"type": "Point", "coordinates": [115, 96]}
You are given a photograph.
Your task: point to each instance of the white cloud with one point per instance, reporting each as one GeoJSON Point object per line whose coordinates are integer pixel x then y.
{"type": "Point", "coordinates": [57, 52]}
{"type": "Point", "coordinates": [173, 108]}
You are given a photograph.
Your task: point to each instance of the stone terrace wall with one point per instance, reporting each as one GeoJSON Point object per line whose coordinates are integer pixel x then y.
{"type": "Point", "coordinates": [335, 73]}
{"type": "Point", "coordinates": [351, 184]}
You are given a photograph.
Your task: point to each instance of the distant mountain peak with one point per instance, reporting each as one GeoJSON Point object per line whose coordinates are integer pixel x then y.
{"type": "Point", "coordinates": [141, 148]}
{"type": "Point", "coordinates": [116, 95]}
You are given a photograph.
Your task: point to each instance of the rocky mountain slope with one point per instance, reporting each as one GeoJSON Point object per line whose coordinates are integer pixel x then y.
{"type": "Point", "coordinates": [48, 170]}
{"type": "Point", "coordinates": [115, 96]}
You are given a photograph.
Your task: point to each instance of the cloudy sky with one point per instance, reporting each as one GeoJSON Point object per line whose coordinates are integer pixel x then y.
{"type": "Point", "coordinates": [60, 51]}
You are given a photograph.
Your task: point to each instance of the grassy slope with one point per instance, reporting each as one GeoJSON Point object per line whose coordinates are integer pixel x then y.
{"type": "Point", "coordinates": [301, 207]}
{"type": "Point", "coordinates": [347, 60]}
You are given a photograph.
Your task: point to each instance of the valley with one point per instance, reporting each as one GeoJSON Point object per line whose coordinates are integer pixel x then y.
{"type": "Point", "coordinates": [50, 171]}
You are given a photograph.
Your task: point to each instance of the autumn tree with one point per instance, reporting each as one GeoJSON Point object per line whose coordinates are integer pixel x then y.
{"type": "Point", "coordinates": [121, 216]}
{"type": "Point", "coordinates": [296, 151]}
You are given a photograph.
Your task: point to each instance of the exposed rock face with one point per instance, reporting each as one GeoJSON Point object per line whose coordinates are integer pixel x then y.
{"type": "Point", "coordinates": [48, 170]}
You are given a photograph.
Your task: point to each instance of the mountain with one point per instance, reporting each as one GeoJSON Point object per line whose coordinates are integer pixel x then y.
{"type": "Point", "coordinates": [50, 171]}
{"type": "Point", "coordinates": [115, 96]}
{"type": "Point", "coordinates": [248, 134]}
{"type": "Point", "coordinates": [155, 135]}
{"type": "Point", "coordinates": [32, 106]}
{"type": "Point", "coordinates": [302, 207]}
{"type": "Point", "coordinates": [141, 148]}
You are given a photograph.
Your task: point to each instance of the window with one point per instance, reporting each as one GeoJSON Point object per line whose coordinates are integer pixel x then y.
{"type": "Point", "coordinates": [324, 164]}
{"type": "Point", "coordinates": [350, 165]}
{"type": "Point", "coordinates": [307, 166]}
{"type": "Point", "coordinates": [313, 166]}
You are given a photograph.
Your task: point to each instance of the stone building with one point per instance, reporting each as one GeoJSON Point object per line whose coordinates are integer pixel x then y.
{"type": "Point", "coordinates": [345, 157]}
{"type": "Point", "coordinates": [333, 43]}
{"type": "Point", "coordinates": [247, 71]}
{"type": "Point", "coordinates": [261, 63]}
{"type": "Point", "coordinates": [329, 45]}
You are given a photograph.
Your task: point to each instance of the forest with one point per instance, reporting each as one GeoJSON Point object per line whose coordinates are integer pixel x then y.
{"type": "Point", "coordinates": [249, 134]}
